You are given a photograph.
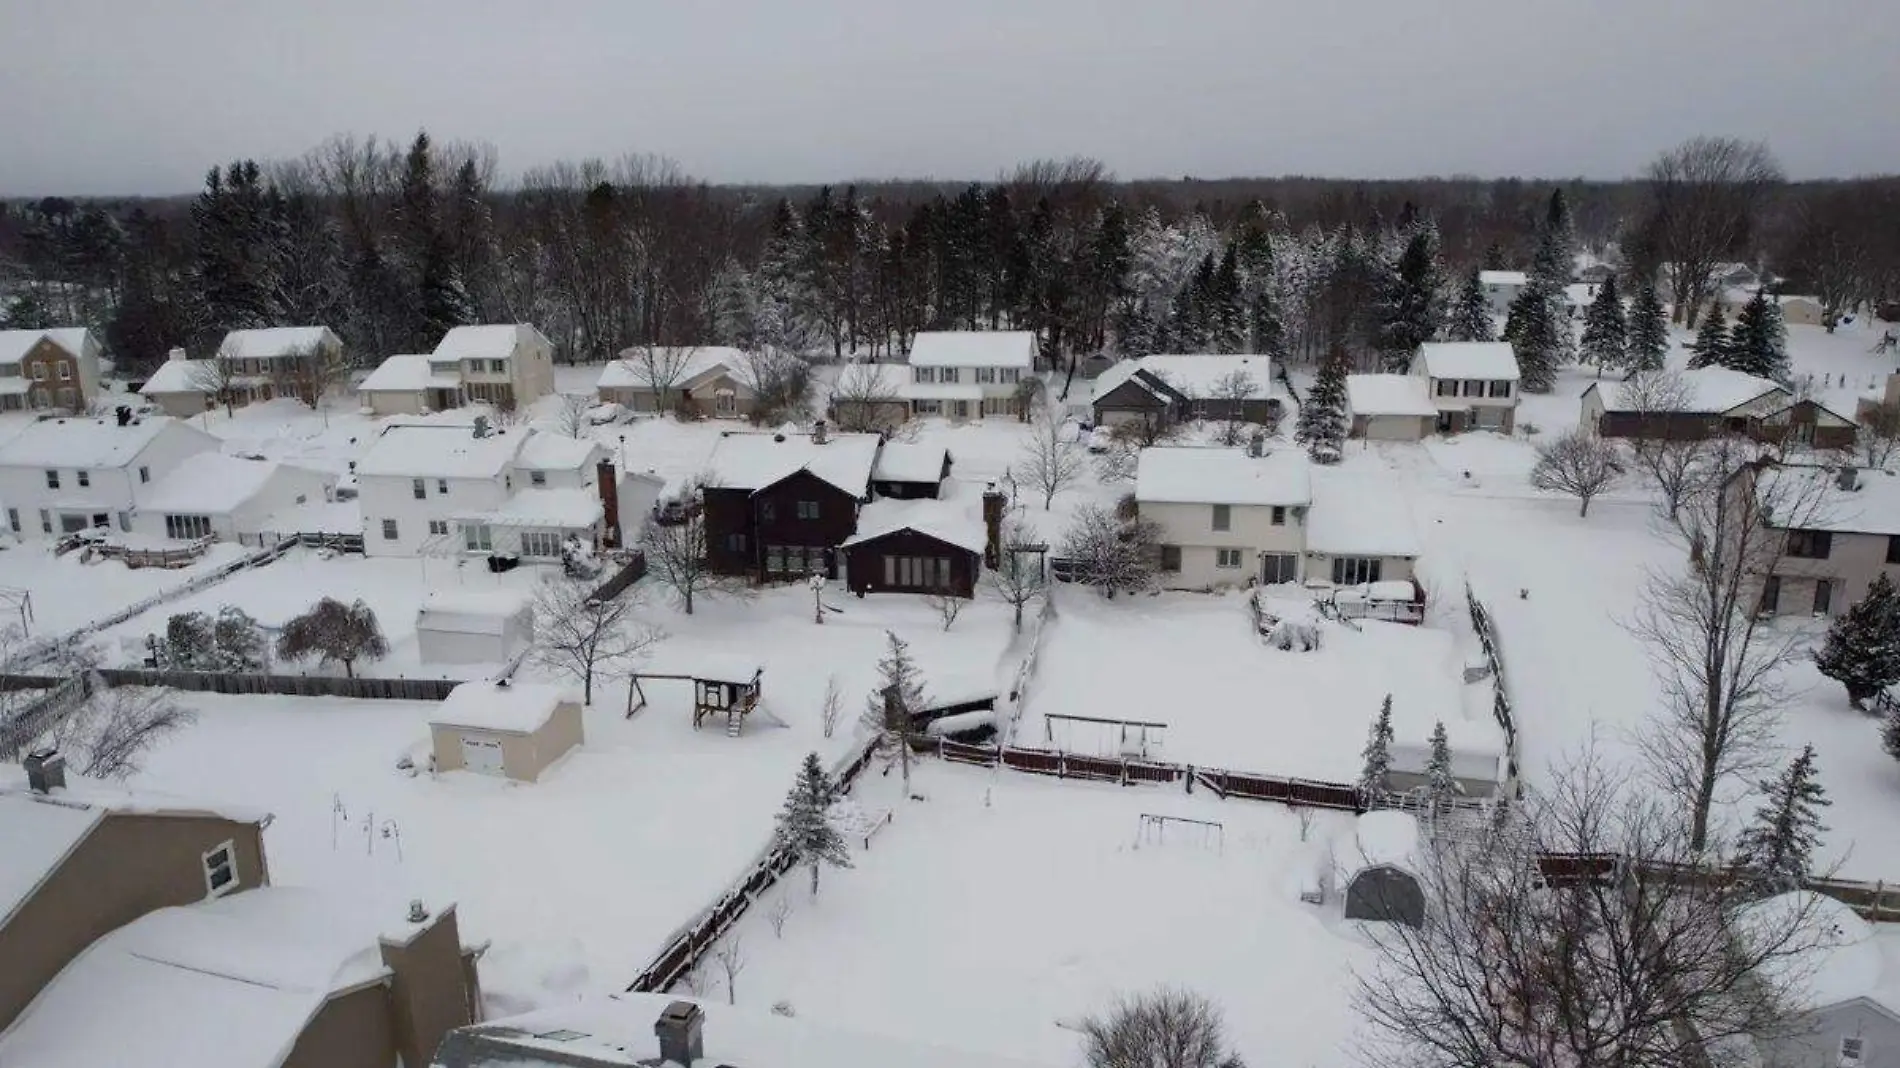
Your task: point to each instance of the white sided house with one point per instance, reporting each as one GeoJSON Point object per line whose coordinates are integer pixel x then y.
{"type": "Point", "coordinates": [1841, 981]}
{"type": "Point", "coordinates": [708, 380]}
{"type": "Point", "coordinates": [42, 370]}
{"type": "Point", "coordinates": [210, 495]}
{"type": "Point", "coordinates": [968, 374]}
{"type": "Point", "coordinates": [508, 366]}
{"type": "Point", "coordinates": [1473, 384]}
{"type": "Point", "coordinates": [249, 366]}
{"type": "Point", "coordinates": [1501, 288]}
{"type": "Point", "coordinates": [62, 476]}
{"type": "Point", "coordinates": [1227, 518]}
{"type": "Point", "coordinates": [411, 385]}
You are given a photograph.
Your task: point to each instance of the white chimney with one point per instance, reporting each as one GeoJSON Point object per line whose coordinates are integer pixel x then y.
{"type": "Point", "coordinates": [417, 914]}
{"type": "Point", "coordinates": [175, 354]}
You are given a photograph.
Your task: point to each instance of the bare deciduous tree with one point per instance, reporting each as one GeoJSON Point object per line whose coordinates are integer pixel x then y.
{"type": "Point", "coordinates": [1230, 393]}
{"type": "Point", "coordinates": [1051, 461]}
{"type": "Point", "coordinates": [676, 553]}
{"type": "Point", "coordinates": [948, 607]}
{"type": "Point", "coordinates": [833, 708]}
{"type": "Point", "coordinates": [1675, 462]}
{"type": "Point", "coordinates": [1164, 1028]}
{"type": "Point", "coordinates": [570, 416]}
{"type": "Point", "coordinates": [1706, 198]}
{"type": "Point", "coordinates": [308, 374]}
{"type": "Point", "coordinates": [109, 733]}
{"type": "Point", "coordinates": [660, 368]}
{"type": "Point", "coordinates": [781, 384]}
{"type": "Point", "coordinates": [335, 632]}
{"type": "Point", "coordinates": [1657, 960]}
{"type": "Point", "coordinates": [1112, 553]}
{"type": "Point", "coordinates": [865, 399]}
{"type": "Point", "coordinates": [730, 957]}
{"type": "Point", "coordinates": [1878, 434]}
{"type": "Point", "coordinates": [583, 636]}
{"type": "Point", "coordinates": [1018, 578]}
{"type": "Point", "coordinates": [219, 379]}
{"type": "Point", "coordinates": [1578, 463]}
{"type": "Point", "coordinates": [1119, 463]}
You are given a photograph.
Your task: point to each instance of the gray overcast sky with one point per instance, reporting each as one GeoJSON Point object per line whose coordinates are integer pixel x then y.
{"type": "Point", "coordinates": [141, 96]}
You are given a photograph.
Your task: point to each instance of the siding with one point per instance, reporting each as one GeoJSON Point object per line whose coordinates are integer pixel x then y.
{"type": "Point", "coordinates": [351, 1031]}
{"type": "Point", "coordinates": [733, 511]}
{"type": "Point", "coordinates": [864, 563]}
{"type": "Point", "coordinates": [1251, 530]}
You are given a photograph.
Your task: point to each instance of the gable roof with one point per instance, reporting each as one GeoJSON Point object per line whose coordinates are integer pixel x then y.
{"type": "Point", "coordinates": [1353, 515]}
{"type": "Point", "coordinates": [15, 344]}
{"type": "Point", "coordinates": [1706, 391]}
{"type": "Point", "coordinates": [189, 376]}
{"type": "Point", "coordinates": [1838, 957]}
{"type": "Point", "coordinates": [1873, 507]}
{"type": "Point", "coordinates": [547, 451]}
{"type": "Point", "coordinates": [214, 484]}
{"type": "Point", "coordinates": [1186, 375]}
{"type": "Point", "coordinates": [1490, 360]}
{"type": "Point", "coordinates": [407, 372]}
{"type": "Point", "coordinates": [1503, 278]}
{"type": "Point", "coordinates": [92, 443]}
{"type": "Point", "coordinates": [465, 611]}
{"type": "Point", "coordinates": [493, 342]}
{"type": "Point", "coordinates": [752, 461]}
{"type": "Point", "coordinates": [273, 341]}
{"type": "Point", "coordinates": [636, 366]}
{"type": "Point", "coordinates": [956, 518]}
{"type": "Point", "coordinates": [973, 348]}
{"type": "Point", "coordinates": [440, 450]}
{"type": "Point", "coordinates": [516, 708]}
{"type": "Point", "coordinates": [908, 461]}
{"type": "Point", "coordinates": [1189, 474]}
{"type": "Point", "coordinates": [1388, 395]}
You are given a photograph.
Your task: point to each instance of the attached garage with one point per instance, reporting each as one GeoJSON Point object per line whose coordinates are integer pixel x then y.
{"type": "Point", "coordinates": [508, 730]}
{"type": "Point", "coordinates": [1389, 407]}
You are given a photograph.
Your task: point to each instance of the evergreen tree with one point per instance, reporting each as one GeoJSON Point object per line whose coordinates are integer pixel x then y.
{"type": "Point", "coordinates": [1266, 330]}
{"type": "Point", "coordinates": [1410, 309]}
{"type": "Point", "coordinates": [1541, 338]}
{"type": "Point", "coordinates": [1890, 732]}
{"type": "Point", "coordinates": [1441, 787]}
{"type": "Point", "coordinates": [1646, 336]}
{"type": "Point", "coordinates": [1378, 753]}
{"type": "Point", "coordinates": [1226, 316]}
{"type": "Point", "coordinates": [237, 238]}
{"type": "Point", "coordinates": [898, 696]}
{"type": "Point", "coordinates": [1862, 650]}
{"type": "Point", "coordinates": [1556, 254]}
{"type": "Point", "coordinates": [1711, 348]}
{"type": "Point", "coordinates": [804, 829]}
{"type": "Point", "coordinates": [1605, 330]}
{"type": "Point", "coordinates": [1758, 344]}
{"type": "Point", "coordinates": [1776, 850]}
{"type": "Point", "coordinates": [1471, 313]}
{"type": "Point", "coordinates": [1322, 422]}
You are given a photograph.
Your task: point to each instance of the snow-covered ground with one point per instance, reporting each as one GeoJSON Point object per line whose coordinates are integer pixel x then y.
{"type": "Point", "coordinates": [66, 594]}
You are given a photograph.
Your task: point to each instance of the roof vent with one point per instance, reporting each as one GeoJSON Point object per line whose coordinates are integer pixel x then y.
{"type": "Point", "coordinates": [417, 914]}
{"type": "Point", "coordinates": [45, 771]}
{"type": "Point", "coordinates": [1847, 478]}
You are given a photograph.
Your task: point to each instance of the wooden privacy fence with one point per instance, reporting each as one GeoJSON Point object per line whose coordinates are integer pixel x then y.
{"type": "Point", "coordinates": [1501, 695]}
{"type": "Point", "coordinates": [630, 572]}
{"type": "Point", "coordinates": [685, 949]}
{"type": "Point", "coordinates": [34, 716]}
{"type": "Point", "coordinates": [286, 685]}
{"type": "Point", "coordinates": [1249, 786]}
{"type": "Point", "coordinates": [1877, 902]}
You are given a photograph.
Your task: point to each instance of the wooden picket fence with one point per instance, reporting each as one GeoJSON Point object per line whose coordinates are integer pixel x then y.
{"type": "Point", "coordinates": [285, 685]}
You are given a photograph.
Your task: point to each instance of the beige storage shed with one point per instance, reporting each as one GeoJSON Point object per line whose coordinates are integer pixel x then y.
{"type": "Point", "coordinates": [506, 729]}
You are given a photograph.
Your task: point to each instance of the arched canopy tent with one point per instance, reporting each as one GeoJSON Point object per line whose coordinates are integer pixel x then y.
{"type": "Point", "coordinates": [1383, 882]}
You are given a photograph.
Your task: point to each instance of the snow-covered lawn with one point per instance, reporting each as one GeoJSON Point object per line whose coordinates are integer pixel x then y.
{"type": "Point", "coordinates": [67, 594]}
{"type": "Point", "coordinates": [1006, 906]}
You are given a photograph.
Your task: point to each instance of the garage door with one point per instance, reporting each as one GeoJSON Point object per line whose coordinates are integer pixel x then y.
{"type": "Point", "coordinates": [481, 754]}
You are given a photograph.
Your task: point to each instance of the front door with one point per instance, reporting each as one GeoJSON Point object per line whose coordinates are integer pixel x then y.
{"type": "Point", "coordinates": [481, 755]}
{"type": "Point", "coordinates": [1771, 595]}
{"type": "Point", "coordinates": [1823, 593]}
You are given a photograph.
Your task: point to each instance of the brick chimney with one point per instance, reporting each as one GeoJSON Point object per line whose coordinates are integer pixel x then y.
{"type": "Point", "coordinates": [681, 1031]}
{"type": "Point", "coordinates": [45, 771]}
{"type": "Point", "coordinates": [609, 489]}
{"type": "Point", "coordinates": [818, 432]}
{"type": "Point", "coordinates": [993, 502]}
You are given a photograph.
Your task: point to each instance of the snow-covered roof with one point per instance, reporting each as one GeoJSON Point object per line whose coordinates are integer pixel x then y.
{"type": "Point", "coordinates": [1490, 360]}
{"type": "Point", "coordinates": [406, 374]}
{"type": "Point", "coordinates": [1188, 474]}
{"type": "Point", "coordinates": [471, 611]}
{"type": "Point", "coordinates": [211, 483]}
{"type": "Point", "coordinates": [956, 519]}
{"type": "Point", "coordinates": [960, 722]}
{"type": "Point", "coordinates": [1354, 515]}
{"type": "Point", "coordinates": [1834, 956]}
{"type": "Point", "coordinates": [274, 341]}
{"type": "Point", "coordinates": [974, 348]}
{"type": "Point", "coordinates": [557, 452]}
{"type": "Point", "coordinates": [517, 708]}
{"type": "Point", "coordinates": [1705, 390]}
{"type": "Point", "coordinates": [1196, 375]}
{"type": "Point", "coordinates": [1385, 837]}
{"type": "Point", "coordinates": [1503, 278]}
{"type": "Point", "coordinates": [677, 366]}
{"type": "Point", "coordinates": [905, 461]}
{"type": "Point", "coordinates": [598, 1032]}
{"type": "Point", "coordinates": [1388, 395]}
{"type": "Point", "coordinates": [752, 461]}
{"type": "Point", "coordinates": [560, 507]}
{"type": "Point", "coordinates": [1872, 508]}
{"type": "Point", "coordinates": [963, 391]}
{"type": "Point", "coordinates": [90, 443]}
{"type": "Point", "coordinates": [1581, 294]}
{"type": "Point", "coordinates": [15, 384]}
{"type": "Point", "coordinates": [15, 344]}
{"type": "Point", "coordinates": [230, 982]}
{"type": "Point", "coordinates": [317, 517]}
{"type": "Point", "coordinates": [40, 835]}
{"type": "Point", "coordinates": [486, 342]}
{"type": "Point", "coordinates": [179, 376]}
{"type": "Point", "coordinates": [440, 450]}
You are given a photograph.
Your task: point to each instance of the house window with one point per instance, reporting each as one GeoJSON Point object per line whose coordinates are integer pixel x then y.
{"type": "Point", "coordinates": [221, 874]}
{"type": "Point", "coordinates": [924, 375]}
{"type": "Point", "coordinates": [420, 488]}
{"type": "Point", "coordinates": [145, 474]}
{"type": "Point", "coordinates": [986, 375]}
{"type": "Point", "coordinates": [65, 372]}
{"type": "Point", "coordinates": [1353, 570]}
{"type": "Point", "coordinates": [735, 543]}
{"type": "Point", "coordinates": [1446, 387]}
{"type": "Point", "coordinates": [949, 376]}
{"type": "Point", "coordinates": [187, 527]}
{"type": "Point", "coordinates": [767, 512]}
{"type": "Point", "coordinates": [546, 543]}
{"type": "Point", "coordinates": [1474, 388]}
{"type": "Point", "coordinates": [442, 486]}
{"type": "Point", "coordinates": [808, 509]}
{"type": "Point", "coordinates": [52, 480]}
{"type": "Point", "coordinates": [537, 478]}
{"type": "Point", "coordinates": [774, 559]}
{"type": "Point", "coordinates": [1501, 388]}
{"type": "Point", "coordinates": [1810, 544]}
{"type": "Point", "coordinates": [1223, 517]}
{"type": "Point", "coordinates": [477, 538]}
{"type": "Point", "coordinates": [1227, 558]}
{"type": "Point", "coordinates": [1771, 595]}
{"type": "Point", "coordinates": [1853, 1047]}
{"type": "Point", "coordinates": [1893, 548]}
{"type": "Point", "coordinates": [1823, 596]}
{"type": "Point", "coordinates": [927, 407]}
{"type": "Point", "coordinates": [1012, 375]}
{"type": "Point", "coordinates": [85, 477]}
{"type": "Point", "coordinates": [389, 530]}
{"type": "Point", "coordinates": [125, 522]}
{"type": "Point", "coordinates": [46, 521]}
{"type": "Point", "coordinates": [438, 526]}
{"type": "Point", "coordinates": [1276, 568]}
{"type": "Point", "coordinates": [1279, 515]}
{"type": "Point", "coordinates": [1171, 558]}
{"type": "Point", "coordinates": [13, 520]}
{"type": "Point", "coordinates": [39, 372]}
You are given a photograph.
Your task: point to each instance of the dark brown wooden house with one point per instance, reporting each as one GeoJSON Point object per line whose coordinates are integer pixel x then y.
{"type": "Point", "coordinates": [924, 545]}
{"type": "Point", "coordinates": [778, 505]}
{"type": "Point", "coordinates": [1161, 390]}
{"type": "Point", "coordinates": [1715, 401]}
{"type": "Point", "coordinates": [908, 471]}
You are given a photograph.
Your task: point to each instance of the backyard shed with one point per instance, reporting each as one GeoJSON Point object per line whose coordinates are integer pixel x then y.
{"type": "Point", "coordinates": [505, 729]}
{"type": "Point", "coordinates": [474, 626]}
{"type": "Point", "coordinates": [1382, 880]}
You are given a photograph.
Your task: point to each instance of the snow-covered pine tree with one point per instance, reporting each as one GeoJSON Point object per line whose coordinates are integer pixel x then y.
{"type": "Point", "coordinates": [1556, 256]}
{"type": "Point", "coordinates": [898, 696]}
{"type": "Point", "coordinates": [804, 827]}
{"type": "Point", "coordinates": [1604, 329]}
{"type": "Point", "coordinates": [1890, 731]}
{"type": "Point", "coordinates": [1862, 650]}
{"type": "Point", "coordinates": [1541, 339]}
{"type": "Point", "coordinates": [1776, 849]}
{"type": "Point", "coordinates": [1225, 314]}
{"type": "Point", "coordinates": [1758, 343]}
{"type": "Point", "coordinates": [1711, 347]}
{"type": "Point", "coordinates": [1409, 308]}
{"type": "Point", "coordinates": [1441, 787]}
{"type": "Point", "coordinates": [1646, 333]}
{"type": "Point", "coordinates": [1471, 313]}
{"type": "Point", "coordinates": [1378, 753]}
{"type": "Point", "coordinates": [1321, 426]}
{"type": "Point", "coordinates": [1266, 330]}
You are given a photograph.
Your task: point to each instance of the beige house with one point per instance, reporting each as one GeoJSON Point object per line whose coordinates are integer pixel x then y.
{"type": "Point", "coordinates": [411, 385]}
{"type": "Point", "coordinates": [156, 919]}
{"type": "Point", "coordinates": [508, 366]}
{"type": "Point", "coordinates": [1360, 531]}
{"type": "Point", "coordinates": [1390, 407]}
{"type": "Point", "coordinates": [511, 730]}
{"type": "Point", "coordinates": [250, 366]}
{"type": "Point", "coordinates": [1227, 518]}
{"type": "Point", "coordinates": [1472, 384]}
{"type": "Point", "coordinates": [1844, 531]}
{"type": "Point", "coordinates": [48, 370]}
{"type": "Point", "coordinates": [707, 380]}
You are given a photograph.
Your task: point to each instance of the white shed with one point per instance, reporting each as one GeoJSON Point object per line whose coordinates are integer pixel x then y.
{"type": "Point", "coordinates": [510, 730]}
{"type": "Point", "coordinates": [474, 626]}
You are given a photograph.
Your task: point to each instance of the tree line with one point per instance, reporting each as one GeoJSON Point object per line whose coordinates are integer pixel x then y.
{"type": "Point", "coordinates": [392, 244]}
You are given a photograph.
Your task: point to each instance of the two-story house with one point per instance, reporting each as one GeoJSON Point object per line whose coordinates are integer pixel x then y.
{"type": "Point", "coordinates": [412, 384]}
{"type": "Point", "coordinates": [42, 370]}
{"type": "Point", "coordinates": [1473, 384]}
{"type": "Point", "coordinates": [1161, 390]}
{"type": "Point", "coordinates": [249, 366]}
{"type": "Point", "coordinates": [709, 380]}
{"type": "Point", "coordinates": [444, 489]}
{"type": "Point", "coordinates": [779, 505]}
{"type": "Point", "coordinates": [1501, 288]}
{"type": "Point", "coordinates": [159, 914]}
{"type": "Point", "coordinates": [61, 476]}
{"type": "Point", "coordinates": [968, 374]}
{"type": "Point", "coordinates": [509, 366]}
{"type": "Point", "coordinates": [1834, 530]}
{"type": "Point", "coordinates": [1227, 518]}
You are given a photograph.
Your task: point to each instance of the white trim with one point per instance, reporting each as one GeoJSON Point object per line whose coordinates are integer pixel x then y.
{"type": "Point", "coordinates": [229, 848]}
